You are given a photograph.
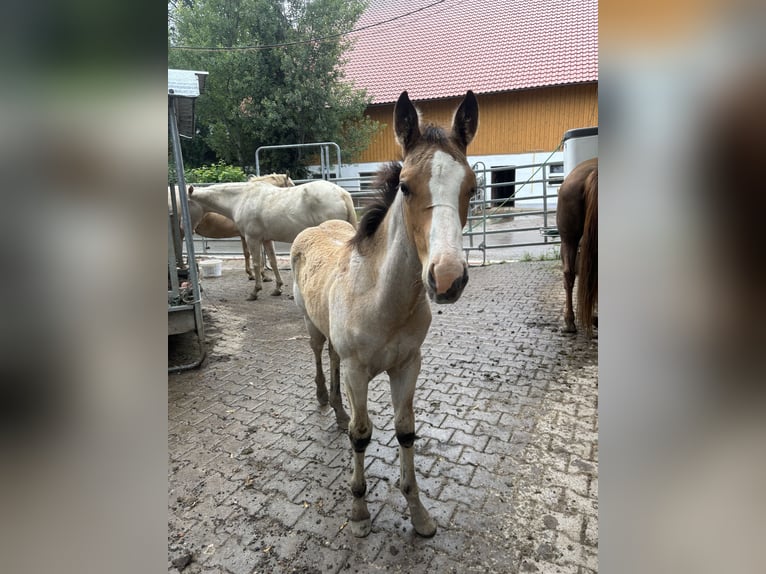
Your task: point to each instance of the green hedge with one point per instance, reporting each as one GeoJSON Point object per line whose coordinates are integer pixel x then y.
{"type": "Point", "coordinates": [216, 173]}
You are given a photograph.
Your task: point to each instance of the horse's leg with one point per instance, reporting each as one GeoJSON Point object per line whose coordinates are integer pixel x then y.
{"type": "Point", "coordinates": [336, 399]}
{"type": "Point", "coordinates": [568, 257]}
{"type": "Point", "coordinates": [403, 379]}
{"type": "Point", "coordinates": [268, 246]}
{"type": "Point", "coordinates": [246, 253]}
{"type": "Point", "coordinates": [254, 244]}
{"type": "Point", "coordinates": [355, 382]}
{"type": "Point", "coordinates": [316, 340]}
{"type": "Point", "coordinates": [265, 278]}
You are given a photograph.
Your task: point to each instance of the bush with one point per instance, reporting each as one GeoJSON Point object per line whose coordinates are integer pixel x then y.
{"type": "Point", "coordinates": [172, 178]}
{"type": "Point", "coordinates": [216, 173]}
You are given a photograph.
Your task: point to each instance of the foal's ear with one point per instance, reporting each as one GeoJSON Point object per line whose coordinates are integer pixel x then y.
{"type": "Point", "coordinates": [406, 123]}
{"type": "Point", "coordinates": [466, 120]}
{"type": "Point", "coordinates": [191, 189]}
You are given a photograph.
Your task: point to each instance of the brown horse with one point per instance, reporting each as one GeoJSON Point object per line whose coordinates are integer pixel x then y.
{"type": "Point", "coordinates": [366, 291]}
{"type": "Point", "coordinates": [576, 218]}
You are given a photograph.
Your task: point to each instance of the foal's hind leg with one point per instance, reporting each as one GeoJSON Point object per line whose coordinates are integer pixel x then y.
{"type": "Point", "coordinates": [336, 399]}
{"type": "Point", "coordinates": [403, 381]}
{"type": "Point", "coordinates": [316, 340]}
{"type": "Point", "coordinates": [268, 247]}
{"type": "Point", "coordinates": [568, 258]}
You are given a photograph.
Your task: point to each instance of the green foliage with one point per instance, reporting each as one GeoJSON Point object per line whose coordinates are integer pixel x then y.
{"type": "Point", "coordinates": [196, 151]}
{"type": "Point", "coordinates": [552, 254]}
{"type": "Point", "coordinates": [288, 89]}
{"type": "Point", "coordinates": [216, 173]}
{"type": "Point", "coordinates": [172, 178]}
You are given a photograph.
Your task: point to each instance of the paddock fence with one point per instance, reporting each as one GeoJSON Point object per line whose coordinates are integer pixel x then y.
{"type": "Point", "coordinates": [512, 215]}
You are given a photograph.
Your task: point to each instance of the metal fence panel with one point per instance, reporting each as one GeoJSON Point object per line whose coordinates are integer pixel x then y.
{"type": "Point", "coordinates": [509, 220]}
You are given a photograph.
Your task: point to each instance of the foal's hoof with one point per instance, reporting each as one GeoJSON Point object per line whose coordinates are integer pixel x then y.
{"type": "Point", "coordinates": [276, 292]}
{"type": "Point", "coordinates": [360, 528]}
{"type": "Point", "coordinates": [250, 278]}
{"type": "Point", "coordinates": [426, 530]}
{"type": "Point", "coordinates": [342, 421]}
{"type": "Point", "coordinates": [252, 297]}
{"type": "Point", "coordinates": [569, 328]}
{"type": "Point", "coordinates": [266, 279]}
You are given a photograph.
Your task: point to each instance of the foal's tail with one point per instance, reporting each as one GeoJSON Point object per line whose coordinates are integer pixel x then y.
{"type": "Point", "coordinates": [587, 287]}
{"type": "Point", "coordinates": [351, 218]}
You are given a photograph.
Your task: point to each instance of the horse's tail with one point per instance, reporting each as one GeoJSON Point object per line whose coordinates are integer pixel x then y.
{"type": "Point", "coordinates": [350, 208]}
{"type": "Point", "coordinates": [587, 285]}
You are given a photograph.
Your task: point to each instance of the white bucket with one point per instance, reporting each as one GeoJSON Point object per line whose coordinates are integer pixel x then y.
{"type": "Point", "coordinates": [211, 267]}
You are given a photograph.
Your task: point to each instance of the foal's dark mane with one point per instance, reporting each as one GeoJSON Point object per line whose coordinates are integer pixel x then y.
{"type": "Point", "coordinates": [387, 182]}
{"type": "Point", "coordinates": [434, 135]}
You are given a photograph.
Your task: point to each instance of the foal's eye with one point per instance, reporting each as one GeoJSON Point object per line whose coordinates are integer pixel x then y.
{"type": "Point", "coordinates": [405, 189]}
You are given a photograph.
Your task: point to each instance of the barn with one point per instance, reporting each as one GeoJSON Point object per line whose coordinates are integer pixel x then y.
{"type": "Point", "coordinates": [533, 65]}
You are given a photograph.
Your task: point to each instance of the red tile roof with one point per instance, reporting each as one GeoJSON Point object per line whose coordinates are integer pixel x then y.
{"type": "Point", "coordinates": [441, 48]}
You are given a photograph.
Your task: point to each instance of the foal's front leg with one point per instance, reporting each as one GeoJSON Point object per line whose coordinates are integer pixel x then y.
{"type": "Point", "coordinates": [355, 382]}
{"type": "Point", "coordinates": [403, 379]}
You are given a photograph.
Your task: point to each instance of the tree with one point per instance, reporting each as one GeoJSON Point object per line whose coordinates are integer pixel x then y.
{"type": "Point", "coordinates": [284, 84]}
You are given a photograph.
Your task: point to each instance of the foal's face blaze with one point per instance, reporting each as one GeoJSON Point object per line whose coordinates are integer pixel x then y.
{"type": "Point", "coordinates": [437, 209]}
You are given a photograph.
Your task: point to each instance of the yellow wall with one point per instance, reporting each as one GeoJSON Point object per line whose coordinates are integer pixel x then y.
{"type": "Point", "coordinates": [510, 122]}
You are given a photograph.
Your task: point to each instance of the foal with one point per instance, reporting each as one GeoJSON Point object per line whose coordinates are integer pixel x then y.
{"type": "Point", "coordinates": [365, 291]}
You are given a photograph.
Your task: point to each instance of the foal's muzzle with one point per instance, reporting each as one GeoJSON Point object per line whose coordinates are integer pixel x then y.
{"type": "Point", "coordinates": [450, 295]}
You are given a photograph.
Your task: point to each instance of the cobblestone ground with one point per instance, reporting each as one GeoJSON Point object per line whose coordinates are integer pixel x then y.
{"type": "Point", "coordinates": [507, 456]}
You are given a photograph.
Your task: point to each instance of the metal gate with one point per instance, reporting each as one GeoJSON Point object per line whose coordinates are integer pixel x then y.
{"type": "Point", "coordinates": [510, 218]}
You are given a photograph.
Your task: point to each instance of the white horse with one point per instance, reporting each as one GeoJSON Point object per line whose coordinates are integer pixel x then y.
{"type": "Point", "coordinates": [365, 291]}
{"type": "Point", "coordinates": [263, 211]}
{"type": "Point", "coordinates": [216, 226]}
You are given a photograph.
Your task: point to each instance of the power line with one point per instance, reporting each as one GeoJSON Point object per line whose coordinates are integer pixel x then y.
{"type": "Point", "coordinates": [299, 42]}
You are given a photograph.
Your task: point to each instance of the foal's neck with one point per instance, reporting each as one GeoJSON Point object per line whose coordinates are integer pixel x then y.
{"type": "Point", "coordinates": [400, 275]}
